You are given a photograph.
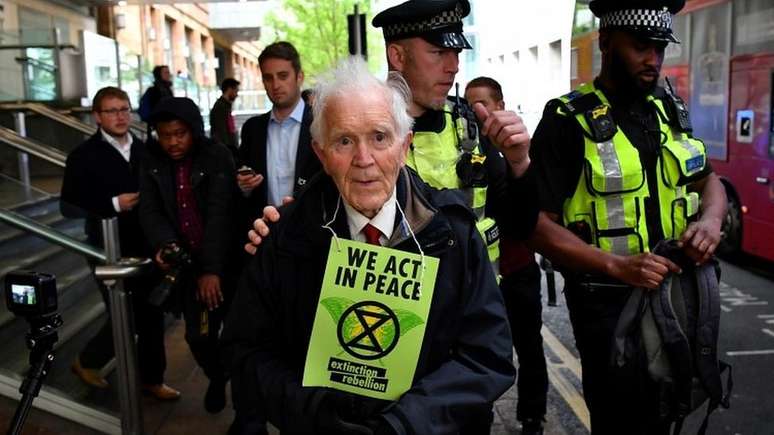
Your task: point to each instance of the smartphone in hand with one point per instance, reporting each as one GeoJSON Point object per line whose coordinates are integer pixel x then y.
{"type": "Point", "coordinates": [245, 170]}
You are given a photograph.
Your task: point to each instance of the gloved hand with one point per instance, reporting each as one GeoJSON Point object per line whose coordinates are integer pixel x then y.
{"type": "Point", "coordinates": [379, 426]}
{"type": "Point", "coordinates": [349, 414]}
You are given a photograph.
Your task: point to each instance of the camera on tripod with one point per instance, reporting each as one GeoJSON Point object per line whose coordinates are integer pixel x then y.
{"type": "Point", "coordinates": [30, 294]}
{"type": "Point", "coordinates": [179, 259]}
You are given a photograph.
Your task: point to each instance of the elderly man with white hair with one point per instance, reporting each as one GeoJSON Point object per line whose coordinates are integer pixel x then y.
{"type": "Point", "coordinates": [462, 364]}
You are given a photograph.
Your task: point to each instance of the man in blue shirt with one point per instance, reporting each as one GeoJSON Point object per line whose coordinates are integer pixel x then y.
{"type": "Point", "coordinates": [276, 157]}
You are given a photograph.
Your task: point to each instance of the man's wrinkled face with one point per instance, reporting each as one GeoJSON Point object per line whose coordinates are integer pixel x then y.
{"type": "Point", "coordinates": [483, 95]}
{"type": "Point", "coordinates": [361, 149]}
{"type": "Point", "coordinates": [429, 71]}
{"type": "Point", "coordinates": [635, 61]}
{"type": "Point", "coordinates": [175, 138]}
{"type": "Point", "coordinates": [113, 115]}
{"type": "Point", "coordinates": [282, 83]}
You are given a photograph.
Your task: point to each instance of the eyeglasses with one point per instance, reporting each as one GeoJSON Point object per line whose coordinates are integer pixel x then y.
{"type": "Point", "coordinates": [115, 112]}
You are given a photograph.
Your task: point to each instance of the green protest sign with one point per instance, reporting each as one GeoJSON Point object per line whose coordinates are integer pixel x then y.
{"type": "Point", "coordinates": [370, 320]}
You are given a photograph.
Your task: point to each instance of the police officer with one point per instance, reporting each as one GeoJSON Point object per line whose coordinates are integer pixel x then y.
{"type": "Point", "coordinates": [618, 165]}
{"type": "Point", "coordinates": [520, 285]}
{"type": "Point", "coordinates": [423, 42]}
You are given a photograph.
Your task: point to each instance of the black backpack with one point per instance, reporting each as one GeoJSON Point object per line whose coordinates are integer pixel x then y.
{"type": "Point", "coordinates": [670, 335]}
{"type": "Point", "coordinates": [146, 103]}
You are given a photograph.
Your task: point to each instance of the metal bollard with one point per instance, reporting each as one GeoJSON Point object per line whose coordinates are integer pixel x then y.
{"type": "Point", "coordinates": [112, 275]}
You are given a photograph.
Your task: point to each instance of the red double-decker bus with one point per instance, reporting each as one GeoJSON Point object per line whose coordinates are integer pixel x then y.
{"type": "Point", "coordinates": [724, 70]}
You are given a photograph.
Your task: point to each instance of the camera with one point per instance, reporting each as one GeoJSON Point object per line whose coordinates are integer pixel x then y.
{"type": "Point", "coordinates": [471, 170]}
{"type": "Point", "coordinates": [30, 294]}
{"type": "Point", "coordinates": [177, 257]}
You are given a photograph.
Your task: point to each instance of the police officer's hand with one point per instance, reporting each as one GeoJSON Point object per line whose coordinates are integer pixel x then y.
{"type": "Point", "coordinates": [261, 228]}
{"type": "Point", "coordinates": [642, 270]}
{"type": "Point", "coordinates": [508, 133]}
{"type": "Point", "coordinates": [209, 291]}
{"type": "Point", "coordinates": [701, 238]}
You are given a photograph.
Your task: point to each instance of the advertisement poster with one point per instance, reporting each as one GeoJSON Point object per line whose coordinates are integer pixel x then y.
{"type": "Point", "coordinates": [370, 320]}
{"type": "Point", "coordinates": [711, 46]}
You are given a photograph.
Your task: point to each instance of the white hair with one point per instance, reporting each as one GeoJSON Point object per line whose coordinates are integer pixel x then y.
{"type": "Point", "coordinates": [350, 79]}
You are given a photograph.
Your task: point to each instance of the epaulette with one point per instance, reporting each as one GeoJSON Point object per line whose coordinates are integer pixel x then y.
{"type": "Point", "coordinates": [601, 125]}
{"type": "Point", "coordinates": [577, 102]}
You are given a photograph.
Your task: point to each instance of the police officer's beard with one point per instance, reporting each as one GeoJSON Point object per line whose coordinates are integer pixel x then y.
{"type": "Point", "coordinates": [624, 81]}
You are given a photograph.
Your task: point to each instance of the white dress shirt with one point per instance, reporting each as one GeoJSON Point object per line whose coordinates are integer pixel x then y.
{"type": "Point", "coordinates": [384, 221]}
{"type": "Point", "coordinates": [281, 150]}
{"type": "Point", "coordinates": [124, 149]}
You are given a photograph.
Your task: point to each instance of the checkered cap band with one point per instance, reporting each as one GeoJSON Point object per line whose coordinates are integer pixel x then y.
{"type": "Point", "coordinates": [443, 19]}
{"type": "Point", "coordinates": [659, 20]}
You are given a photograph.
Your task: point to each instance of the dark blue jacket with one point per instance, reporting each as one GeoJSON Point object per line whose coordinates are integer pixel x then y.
{"type": "Point", "coordinates": [465, 363]}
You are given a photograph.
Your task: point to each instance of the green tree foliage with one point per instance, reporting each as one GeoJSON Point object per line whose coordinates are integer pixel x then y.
{"type": "Point", "coordinates": [318, 29]}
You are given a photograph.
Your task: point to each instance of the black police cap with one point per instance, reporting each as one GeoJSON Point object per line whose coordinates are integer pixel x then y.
{"type": "Point", "coordinates": [438, 22]}
{"type": "Point", "coordinates": [650, 18]}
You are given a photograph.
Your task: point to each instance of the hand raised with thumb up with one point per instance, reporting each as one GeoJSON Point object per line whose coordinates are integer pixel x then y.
{"type": "Point", "coordinates": [508, 133]}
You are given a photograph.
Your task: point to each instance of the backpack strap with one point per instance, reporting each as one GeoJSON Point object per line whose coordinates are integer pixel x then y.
{"type": "Point", "coordinates": [628, 323]}
{"type": "Point", "coordinates": [706, 352]}
{"type": "Point", "coordinates": [675, 341]}
{"type": "Point", "coordinates": [708, 367]}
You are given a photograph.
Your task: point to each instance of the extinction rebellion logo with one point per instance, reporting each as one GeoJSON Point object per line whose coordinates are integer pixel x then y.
{"type": "Point", "coordinates": [367, 330]}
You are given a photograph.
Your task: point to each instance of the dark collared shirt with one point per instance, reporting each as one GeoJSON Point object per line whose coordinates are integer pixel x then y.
{"type": "Point", "coordinates": [190, 220]}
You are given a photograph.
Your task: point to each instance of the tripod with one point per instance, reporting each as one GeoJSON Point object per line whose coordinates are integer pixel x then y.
{"type": "Point", "coordinates": [40, 340]}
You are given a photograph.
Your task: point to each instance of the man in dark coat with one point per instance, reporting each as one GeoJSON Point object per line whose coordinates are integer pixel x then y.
{"type": "Point", "coordinates": [222, 125]}
{"type": "Point", "coordinates": [520, 285]}
{"type": "Point", "coordinates": [162, 88]}
{"type": "Point", "coordinates": [188, 197]}
{"type": "Point", "coordinates": [362, 133]}
{"type": "Point", "coordinates": [276, 151]}
{"type": "Point", "coordinates": [102, 181]}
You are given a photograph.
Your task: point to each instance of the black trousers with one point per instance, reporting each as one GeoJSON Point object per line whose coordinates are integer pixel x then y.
{"type": "Point", "coordinates": [202, 329]}
{"type": "Point", "coordinates": [149, 327]}
{"type": "Point", "coordinates": [521, 291]}
{"type": "Point", "coordinates": [618, 402]}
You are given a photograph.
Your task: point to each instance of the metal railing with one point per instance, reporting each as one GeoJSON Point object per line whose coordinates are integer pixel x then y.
{"type": "Point", "coordinates": [112, 271]}
{"type": "Point", "coordinates": [43, 110]}
{"type": "Point", "coordinates": [32, 147]}
{"type": "Point", "coordinates": [47, 233]}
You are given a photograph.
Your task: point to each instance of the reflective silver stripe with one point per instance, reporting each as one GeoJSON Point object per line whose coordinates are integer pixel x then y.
{"type": "Point", "coordinates": [615, 213]}
{"type": "Point", "coordinates": [687, 145]}
{"type": "Point", "coordinates": [620, 245]}
{"type": "Point", "coordinates": [611, 166]}
{"type": "Point", "coordinates": [693, 203]}
{"type": "Point", "coordinates": [480, 212]}
{"type": "Point", "coordinates": [616, 218]}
